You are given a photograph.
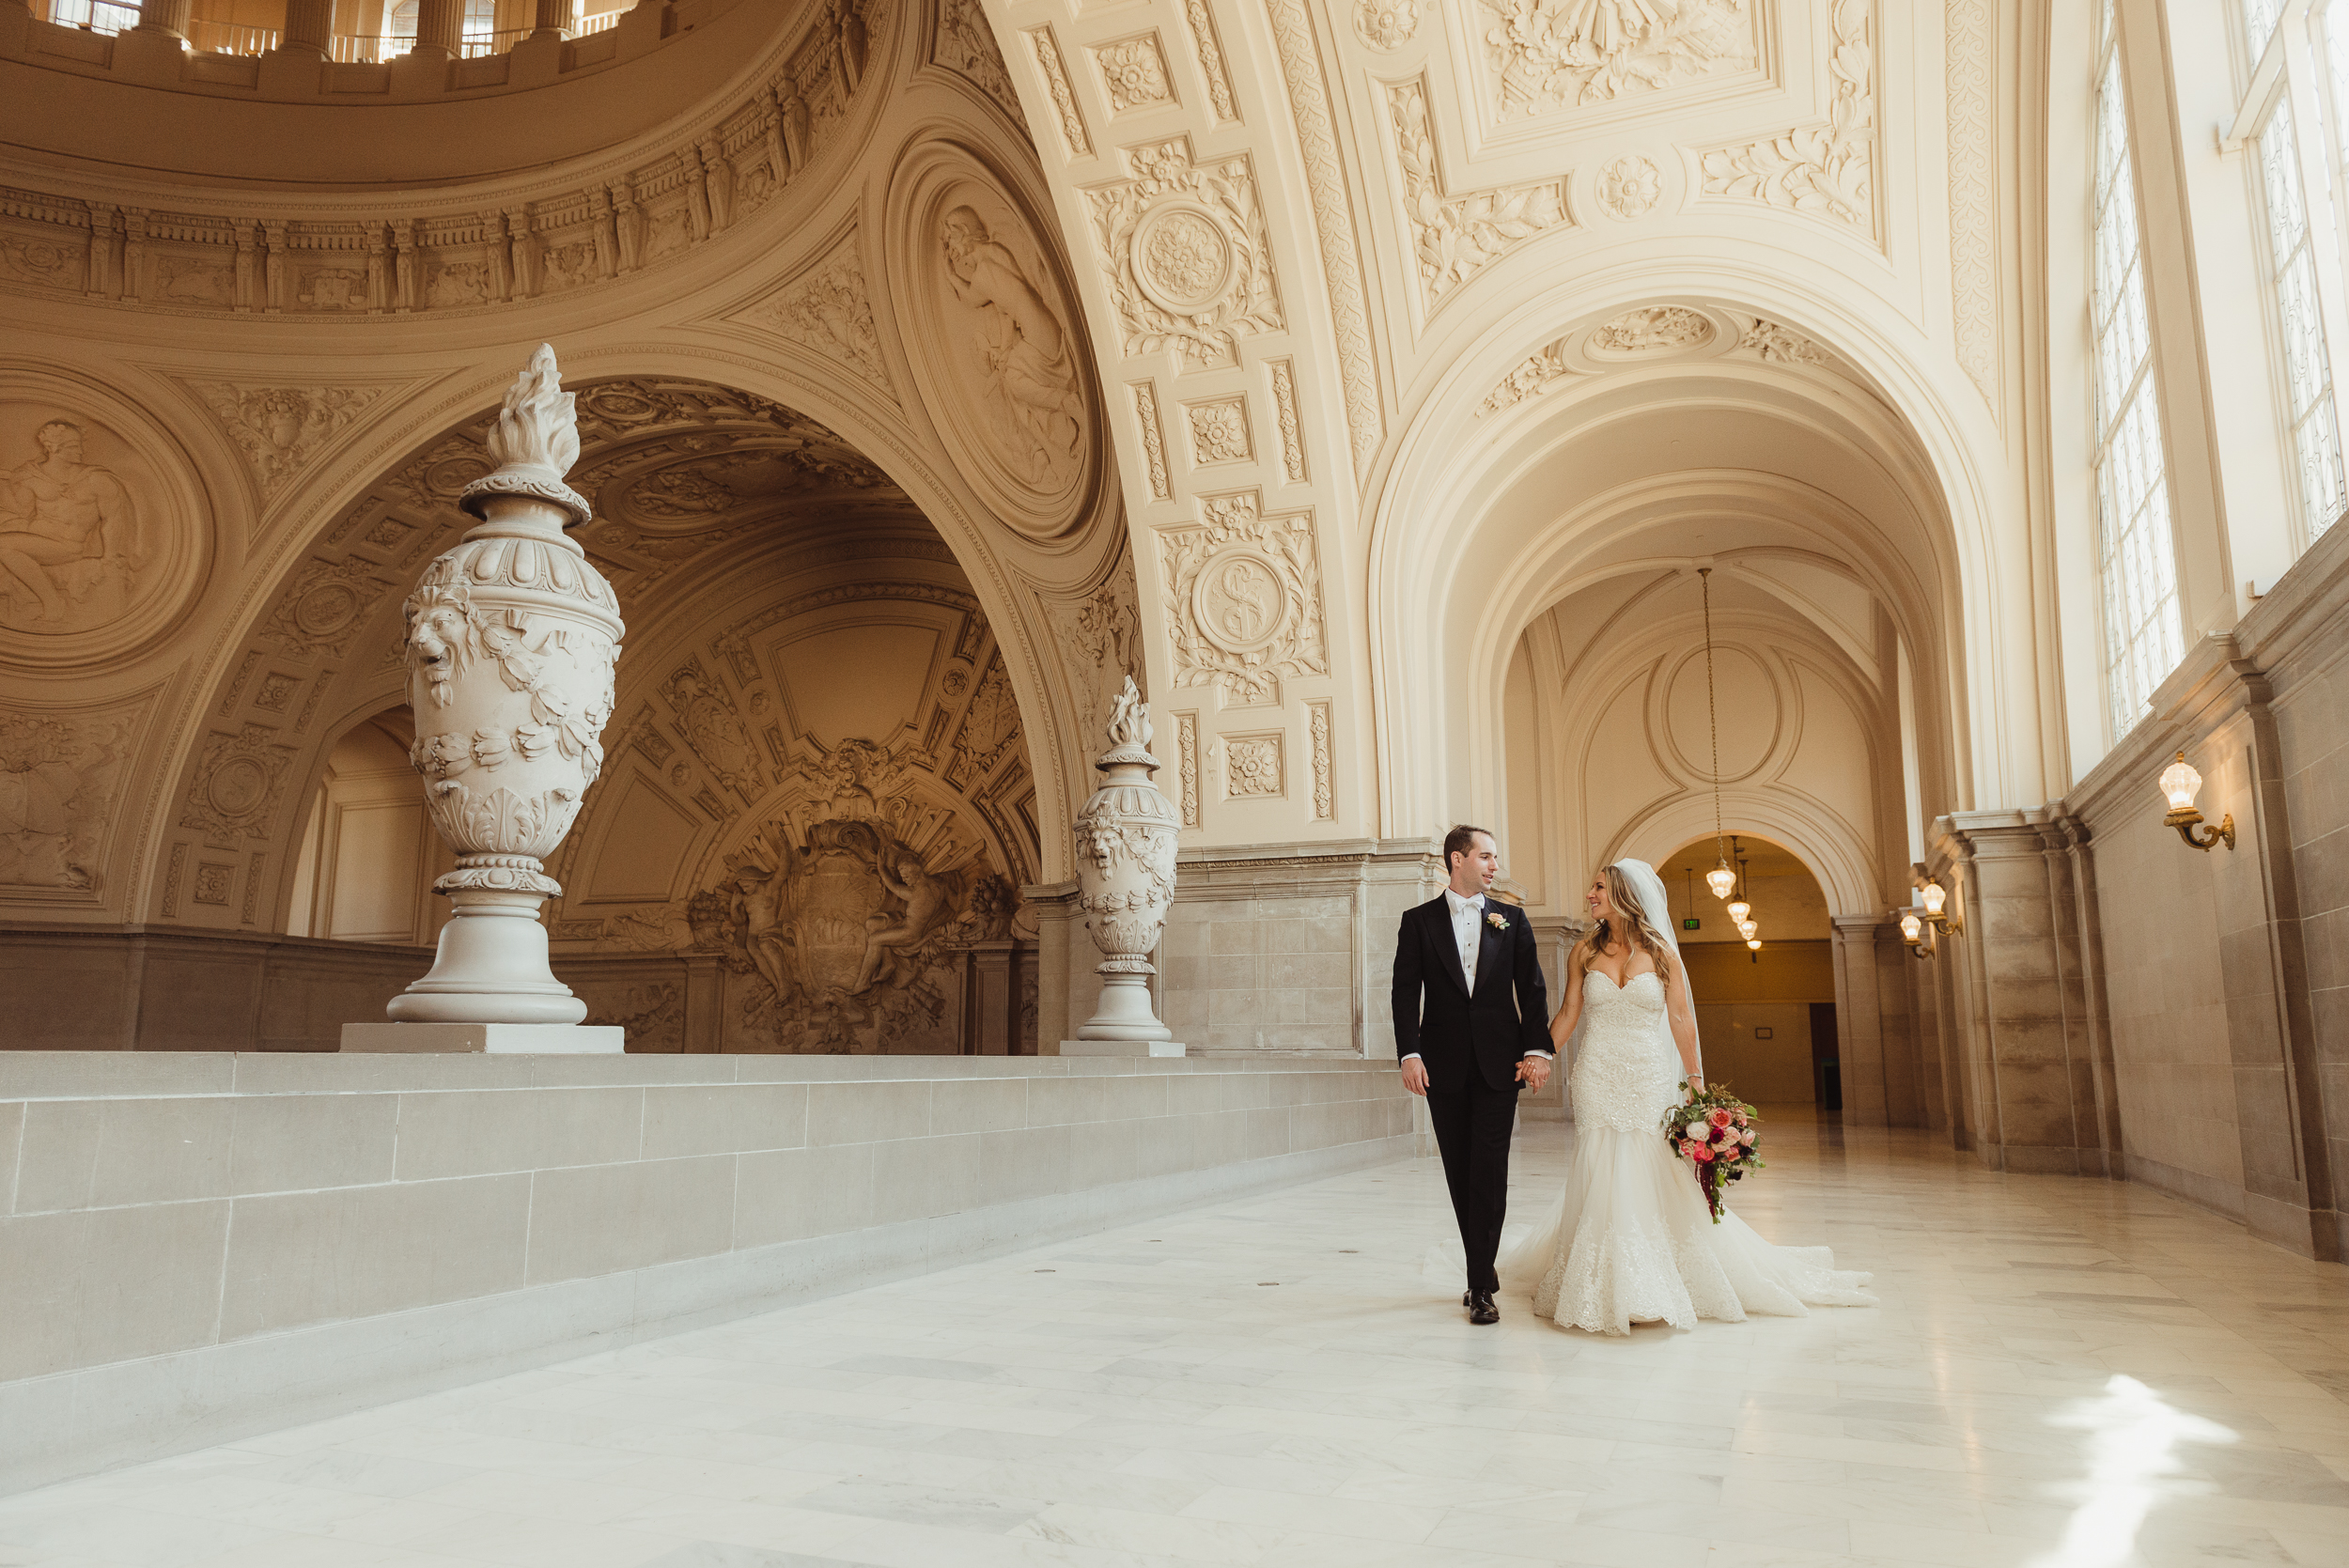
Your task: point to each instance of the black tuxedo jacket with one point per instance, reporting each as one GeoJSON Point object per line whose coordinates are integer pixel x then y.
{"type": "Point", "coordinates": [1457, 1035]}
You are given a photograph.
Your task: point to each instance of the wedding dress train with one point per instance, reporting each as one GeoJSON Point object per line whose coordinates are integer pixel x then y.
{"type": "Point", "coordinates": [1631, 1241]}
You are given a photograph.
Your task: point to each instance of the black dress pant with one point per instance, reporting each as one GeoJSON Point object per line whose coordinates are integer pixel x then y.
{"type": "Point", "coordinates": [1473, 1123]}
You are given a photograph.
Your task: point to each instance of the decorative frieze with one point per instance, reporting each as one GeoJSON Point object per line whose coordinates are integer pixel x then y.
{"type": "Point", "coordinates": [367, 260]}
{"type": "Point", "coordinates": [1209, 46]}
{"type": "Point", "coordinates": [1072, 121]}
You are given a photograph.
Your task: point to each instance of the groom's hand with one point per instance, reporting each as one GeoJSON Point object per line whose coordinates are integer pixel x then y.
{"type": "Point", "coordinates": [1532, 1072]}
{"type": "Point", "coordinates": [1415, 1075]}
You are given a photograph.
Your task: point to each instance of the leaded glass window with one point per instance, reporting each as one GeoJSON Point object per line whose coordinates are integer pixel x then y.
{"type": "Point", "coordinates": [2300, 322]}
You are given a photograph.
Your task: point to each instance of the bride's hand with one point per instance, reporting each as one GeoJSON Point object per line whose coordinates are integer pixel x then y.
{"type": "Point", "coordinates": [1696, 1084]}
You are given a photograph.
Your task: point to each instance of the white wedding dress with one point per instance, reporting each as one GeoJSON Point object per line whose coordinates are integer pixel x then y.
{"type": "Point", "coordinates": [1631, 1241]}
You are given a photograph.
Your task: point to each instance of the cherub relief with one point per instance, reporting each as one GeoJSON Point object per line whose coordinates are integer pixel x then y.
{"type": "Point", "coordinates": [927, 904]}
{"type": "Point", "coordinates": [1024, 346]}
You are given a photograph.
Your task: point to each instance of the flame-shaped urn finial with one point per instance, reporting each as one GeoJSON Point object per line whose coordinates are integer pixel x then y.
{"type": "Point", "coordinates": [512, 636]}
{"type": "Point", "coordinates": [1125, 841]}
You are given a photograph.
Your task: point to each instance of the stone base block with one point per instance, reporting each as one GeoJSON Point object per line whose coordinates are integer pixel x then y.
{"type": "Point", "coordinates": [1121, 1048]}
{"type": "Point", "coordinates": [517, 1039]}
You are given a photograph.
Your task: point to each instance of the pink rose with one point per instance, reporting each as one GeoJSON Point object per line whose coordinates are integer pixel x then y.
{"type": "Point", "coordinates": [1746, 1138]}
{"type": "Point", "coordinates": [1699, 1153]}
{"type": "Point", "coordinates": [1719, 1118]}
{"type": "Point", "coordinates": [1741, 1118]}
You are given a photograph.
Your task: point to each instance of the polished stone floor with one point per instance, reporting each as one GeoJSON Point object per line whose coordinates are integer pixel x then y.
{"type": "Point", "coordinates": [2064, 1374]}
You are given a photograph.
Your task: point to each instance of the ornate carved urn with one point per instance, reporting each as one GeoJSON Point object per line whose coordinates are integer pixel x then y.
{"type": "Point", "coordinates": [511, 641]}
{"type": "Point", "coordinates": [1126, 837]}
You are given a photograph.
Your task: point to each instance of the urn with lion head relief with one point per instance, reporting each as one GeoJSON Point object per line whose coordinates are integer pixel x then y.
{"type": "Point", "coordinates": [1126, 842]}
{"type": "Point", "coordinates": [512, 637]}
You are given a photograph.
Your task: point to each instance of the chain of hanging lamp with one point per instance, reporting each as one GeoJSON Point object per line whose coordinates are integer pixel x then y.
{"type": "Point", "coordinates": [1720, 878]}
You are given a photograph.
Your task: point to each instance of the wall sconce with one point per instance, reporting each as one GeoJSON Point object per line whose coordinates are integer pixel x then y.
{"type": "Point", "coordinates": [2180, 782]}
{"type": "Point", "coordinates": [1918, 927]}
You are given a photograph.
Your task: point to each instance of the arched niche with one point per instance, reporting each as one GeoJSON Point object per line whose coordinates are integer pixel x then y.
{"type": "Point", "coordinates": [1647, 439]}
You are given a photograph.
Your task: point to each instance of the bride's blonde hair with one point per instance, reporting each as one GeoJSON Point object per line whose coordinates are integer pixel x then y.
{"type": "Point", "coordinates": [1637, 929]}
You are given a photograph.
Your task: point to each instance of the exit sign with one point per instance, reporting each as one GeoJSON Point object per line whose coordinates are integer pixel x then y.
{"type": "Point", "coordinates": [1691, 924]}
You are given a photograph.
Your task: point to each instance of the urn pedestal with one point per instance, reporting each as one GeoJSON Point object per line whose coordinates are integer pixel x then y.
{"type": "Point", "coordinates": [512, 637]}
{"type": "Point", "coordinates": [1125, 843]}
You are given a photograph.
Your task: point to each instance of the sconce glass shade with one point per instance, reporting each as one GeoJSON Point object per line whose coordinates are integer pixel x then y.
{"type": "Point", "coordinates": [2181, 784]}
{"type": "Point", "coordinates": [1721, 880]}
{"type": "Point", "coordinates": [1754, 943]}
{"type": "Point", "coordinates": [1739, 911]}
{"type": "Point", "coordinates": [1746, 928]}
{"type": "Point", "coordinates": [1935, 895]}
{"type": "Point", "coordinates": [1911, 928]}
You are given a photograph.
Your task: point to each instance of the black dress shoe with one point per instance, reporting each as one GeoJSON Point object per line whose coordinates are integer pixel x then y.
{"type": "Point", "coordinates": [1481, 1308]}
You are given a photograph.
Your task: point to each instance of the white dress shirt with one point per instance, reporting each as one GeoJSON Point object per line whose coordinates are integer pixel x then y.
{"type": "Point", "coordinates": [1468, 917]}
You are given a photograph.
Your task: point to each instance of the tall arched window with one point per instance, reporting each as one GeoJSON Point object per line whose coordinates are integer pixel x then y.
{"type": "Point", "coordinates": [2137, 556]}
{"type": "Point", "coordinates": [481, 20]}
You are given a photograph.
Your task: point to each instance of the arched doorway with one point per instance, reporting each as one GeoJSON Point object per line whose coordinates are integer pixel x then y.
{"type": "Point", "coordinates": [1767, 1015]}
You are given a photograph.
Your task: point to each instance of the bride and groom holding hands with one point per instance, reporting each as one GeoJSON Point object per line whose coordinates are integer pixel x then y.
{"type": "Point", "coordinates": [1631, 1238]}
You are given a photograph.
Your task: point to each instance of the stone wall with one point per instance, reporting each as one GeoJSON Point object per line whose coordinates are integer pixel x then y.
{"type": "Point", "coordinates": [194, 1246]}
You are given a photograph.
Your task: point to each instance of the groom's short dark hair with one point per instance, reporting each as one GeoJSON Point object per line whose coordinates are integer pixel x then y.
{"type": "Point", "coordinates": [1461, 841]}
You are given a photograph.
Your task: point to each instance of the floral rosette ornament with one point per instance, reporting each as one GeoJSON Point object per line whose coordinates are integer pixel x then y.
{"type": "Point", "coordinates": [1713, 1131]}
{"type": "Point", "coordinates": [511, 640]}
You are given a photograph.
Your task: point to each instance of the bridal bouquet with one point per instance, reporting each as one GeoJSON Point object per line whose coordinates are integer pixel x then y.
{"type": "Point", "coordinates": [1713, 1131]}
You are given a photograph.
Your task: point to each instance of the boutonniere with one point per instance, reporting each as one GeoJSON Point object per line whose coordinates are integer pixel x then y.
{"type": "Point", "coordinates": [1496, 923]}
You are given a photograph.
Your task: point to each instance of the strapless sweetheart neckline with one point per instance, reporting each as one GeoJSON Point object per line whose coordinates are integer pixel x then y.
{"type": "Point", "coordinates": [1622, 985]}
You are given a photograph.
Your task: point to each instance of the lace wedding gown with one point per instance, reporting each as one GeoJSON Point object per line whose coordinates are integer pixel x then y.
{"type": "Point", "coordinates": [1631, 1241]}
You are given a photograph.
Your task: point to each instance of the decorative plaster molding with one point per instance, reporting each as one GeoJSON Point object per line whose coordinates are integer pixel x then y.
{"type": "Point", "coordinates": [1133, 73]}
{"type": "Point", "coordinates": [1973, 275]}
{"type": "Point", "coordinates": [1783, 345]}
{"type": "Point", "coordinates": [1659, 331]}
{"type": "Point", "coordinates": [1244, 599]}
{"type": "Point", "coordinates": [1218, 431]}
{"type": "Point", "coordinates": [1153, 437]}
{"type": "Point", "coordinates": [1653, 329]}
{"type": "Point", "coordinates": [61, 775]}
{"type": "Point", "coordinates": [1826, 171]}
{"type": "Point", "coordinates": [1285, 405]}
{"type": "Point", "coordinates": [1187, 764]}
{"type": "Point", "coordinates": [1210, 49]}
{"type": "Point", "coordinates": [1556, 55]}
{"type": "Point", "coordinates": [1386, 25]}
{"type": "Point", "coordinates": [1072, 122]}
{"type": "Point", "coordinates": [1188, 254]}
{"type": "Point", "coordinates": [246, 254]}
{"type": "Point", "coordinates": [1457, 237]}
{"type": "Point", "coordinates": [280, 428]}
{"type": "Point", "coordinates": [1252, 765]}
{"type": "Point", "coordinates": [965, 44]}
{"type": "Point", "coordinates": [238, 782]}
{"type": "Point", "coordinates": [323, 608]}
{"type": "Point", "coordinates": [1325, 794]}
{"type": "Point", "coordinates": [1629, 187]}
{"type": "Point", "coordinates": [828, 311]}
{"type": "Point", "coordinates": [1333, 222]}
{"type": "Point", "coordinates": [706, 717]}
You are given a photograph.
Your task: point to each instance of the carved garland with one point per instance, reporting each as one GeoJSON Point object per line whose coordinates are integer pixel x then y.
{"type": "Point", "coordinates": [1459, 237]}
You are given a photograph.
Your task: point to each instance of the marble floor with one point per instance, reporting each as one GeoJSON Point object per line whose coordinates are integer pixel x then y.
{"type": "Point", "coordinates": [2064, 1374]}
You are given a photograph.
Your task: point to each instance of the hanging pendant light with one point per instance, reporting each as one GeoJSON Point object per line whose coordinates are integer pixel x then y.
{"type": "Point", "coordinates": [1722, 880]}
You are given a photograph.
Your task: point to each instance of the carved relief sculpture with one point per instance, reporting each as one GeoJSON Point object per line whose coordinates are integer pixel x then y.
{"type": "Point", "coordinates": [1126, 842]}
{"type": "Point", "coordinates": [510, 646]}
{"type": "Point", "coordinates": [1188, 255]}
{"type": "Point", "coordinates": [58, 774]}
{"type": "Point", "coordinates": [71, 545]}
{"type": "Point", "coordinates": [1133, 73]}
{"type": "Point", "coordinates": [1553, 54]}
{"type": "Point", "coordinates": [1826, 170]}
{"type": "Point", "coordinates": [965, 45]}
{"type": "Point", "coordinates": [280, 428]}
{"type": "Point", "coordinates": [1629, 186]}
{"type": "Point", "coordinates": [1039, 407]}
{"type": "Point", "coordinates": [1244, 600]}
{"type": "Point", "coordinates": [1459, 237]}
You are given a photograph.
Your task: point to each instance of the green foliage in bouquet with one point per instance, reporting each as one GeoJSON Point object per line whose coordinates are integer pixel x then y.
{"type": "Point", "coordinates": [1715, 1132]}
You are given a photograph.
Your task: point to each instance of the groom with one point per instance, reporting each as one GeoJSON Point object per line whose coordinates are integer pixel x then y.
{"type": "Point", "coordinates": [1471, 1025]}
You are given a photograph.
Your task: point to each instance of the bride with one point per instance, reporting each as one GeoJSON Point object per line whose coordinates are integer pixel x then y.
{"type": "Point", "coordinates": [1632, 1240]}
